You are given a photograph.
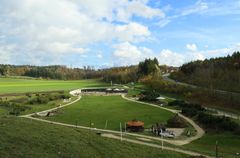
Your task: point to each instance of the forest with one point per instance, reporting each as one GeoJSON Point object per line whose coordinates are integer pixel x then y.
{"type": "Point", "coordinates": [124, 74]}
{"type": "Point", "coordinates": [217, 73]}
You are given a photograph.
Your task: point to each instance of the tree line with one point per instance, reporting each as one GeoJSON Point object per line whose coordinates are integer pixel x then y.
{"type": "Point", "coordinates": [124, 74]}
{"type": "Point", "coordinates": [216, 73]}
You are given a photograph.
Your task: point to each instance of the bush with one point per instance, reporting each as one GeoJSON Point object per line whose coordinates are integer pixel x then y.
{"type": "Point", "coordinates": [39, 100]}
{"type": "Point", "coordinates": [179, 103]}
{"type": "Point", "coordinates": [149, 96]}
{"type": "Point", "coordinates": [188, 109]}
{"type": "Point", "coordinates": [65, 96]}
{"type": "Point", "coordinates": [217, 122]}
{"type": "Point", "coordinates": [176, 122]}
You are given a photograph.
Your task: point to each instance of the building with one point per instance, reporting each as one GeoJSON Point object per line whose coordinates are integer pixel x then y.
{"type": "Point", "coordinates": [135, 126]}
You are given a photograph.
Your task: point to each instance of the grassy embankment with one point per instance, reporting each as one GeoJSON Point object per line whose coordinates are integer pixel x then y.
{"type": "Point", "coordinates": [25, 138]}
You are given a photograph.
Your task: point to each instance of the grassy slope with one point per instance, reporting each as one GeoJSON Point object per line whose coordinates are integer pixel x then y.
{"type": "Point", "coordinates": [98, 109]}
{"type": "Point", "coordinates": [228, 144]}
{"type": "Point", "coordinates": [9, 85]}
{"type": "Point", "coordinates": [25, 138]}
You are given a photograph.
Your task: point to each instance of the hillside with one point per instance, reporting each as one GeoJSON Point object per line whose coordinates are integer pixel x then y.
{"type": "Point", "coordinates": [217, 73]}
{"type": "Point", "coordinates": [36, 139]}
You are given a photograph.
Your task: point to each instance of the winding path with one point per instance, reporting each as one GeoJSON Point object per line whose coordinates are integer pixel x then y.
{"type": "Point", "coordinates": [200, 131]}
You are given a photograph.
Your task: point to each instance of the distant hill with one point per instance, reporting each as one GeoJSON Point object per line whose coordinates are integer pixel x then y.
{"type": "Point", "coordinates": [217, 73]}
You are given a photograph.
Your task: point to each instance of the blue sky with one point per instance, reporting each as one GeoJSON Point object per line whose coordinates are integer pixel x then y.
{"type": "Point", "coordinates": [107, 33]}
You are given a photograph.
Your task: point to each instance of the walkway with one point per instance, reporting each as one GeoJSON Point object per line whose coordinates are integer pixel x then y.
{"type": "Point", "coordinates": [200, 132]}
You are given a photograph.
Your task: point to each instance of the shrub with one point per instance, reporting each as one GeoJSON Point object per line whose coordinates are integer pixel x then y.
{"type": "Point", "coordinates": [176, 122]}
{"type": "Point", "coordinates": [179, 103]}
{"type": "Point", "coordinates": [217, 122]}
{"type": "Point", "coordinates": [149, 96]}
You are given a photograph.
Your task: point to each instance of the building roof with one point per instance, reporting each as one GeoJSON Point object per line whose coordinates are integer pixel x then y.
{"type": "Point", "coordinates": [135, 123]}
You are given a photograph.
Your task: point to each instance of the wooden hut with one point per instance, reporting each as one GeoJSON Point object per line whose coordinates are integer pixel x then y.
{"type": "Point", "coordinates": [135, 126]}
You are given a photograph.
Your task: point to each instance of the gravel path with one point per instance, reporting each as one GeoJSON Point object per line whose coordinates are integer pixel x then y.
{"type": "Point", "coordinates": [200, 131]}
{"type": "Point", "coordinates": [155, 145]}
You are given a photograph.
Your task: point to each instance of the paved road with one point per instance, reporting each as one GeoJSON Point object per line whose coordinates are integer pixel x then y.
{"type": "Point", "coordinates": [223, 113]}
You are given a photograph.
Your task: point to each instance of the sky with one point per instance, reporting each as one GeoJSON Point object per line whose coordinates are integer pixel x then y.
{"type": "Point", "coordinates": [106, 33]}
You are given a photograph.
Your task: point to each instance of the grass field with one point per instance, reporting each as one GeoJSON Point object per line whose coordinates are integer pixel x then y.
{"type": "Point", "coordinates": [228, 144]}
{"type": "Point", "coordinates": [23, 138]}
{"type": "Point", "coordinates": [3, 111]}
{"type": "Point", "coordinates": [98, 109]}
{"type": "Point", "coordinates": [11, 85]}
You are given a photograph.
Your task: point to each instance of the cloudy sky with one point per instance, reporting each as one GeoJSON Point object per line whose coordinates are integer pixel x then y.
{"type": "Point", "coordinates": [104, 33]}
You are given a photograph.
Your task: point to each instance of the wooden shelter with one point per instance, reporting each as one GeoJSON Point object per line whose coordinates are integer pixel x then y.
{"type": "Point", "coordinates": [135, 126]}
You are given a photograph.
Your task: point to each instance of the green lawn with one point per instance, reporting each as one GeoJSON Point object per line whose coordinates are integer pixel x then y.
{"type": "Point", "coordinates": [23, 138]}
{"type": "Point", "coordinates": [228, 144]}
{"type": "Point", "coordinates": [10, 85]}
{"type": "Point", "coordinates": [3, 111]}
{"type": "Point", "coordinates": [98, 109]}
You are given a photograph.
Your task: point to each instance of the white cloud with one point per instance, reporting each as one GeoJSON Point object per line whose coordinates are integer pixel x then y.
{"type": "Point", "coordinates": [205, 8]}
{"type": "Point", "coordinates": [100, 56]}
{"type": "Point", "coordinates": [60, 47]}
{"type": "Point", "coordinates": [221, 51]}
{"type": "Point", "coordinates": [191, 47]}
{"type": "Point", "coordinates": [118, 10]}
{"type": "Point", "coordinates": [163, 22]}
{"type": "Point", "coordinates": [169, 57]}
{"type": "Point", "coordinates": [49, 28]}
{"type": "Point", "coordinates": [198, 7]}
{"type": "Point", "coordinates": [138, 8]}
{"type": "Point", "coordinates": [132, 32]}
{"type": "Point", "coordinates": [127, 54]}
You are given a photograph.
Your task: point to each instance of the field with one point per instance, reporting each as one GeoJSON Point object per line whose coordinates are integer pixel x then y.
{"type": "Point", "coordinates": [228, 144]}
{"type": "Point", "coordinates": [11, 85]}
{"type": "Point", "coordinates": [21, 138]}
{"type": "Point", "coordinates": [98, 109]}
{"type": "Point", "coordinates": [37, 139]}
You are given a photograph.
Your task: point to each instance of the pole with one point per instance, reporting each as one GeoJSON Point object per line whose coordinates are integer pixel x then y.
{"type": "Point", "coordinates": [162, 139]}
{"type": "Point", "coordinates": [90, 131]}
{"type": "Point", "coordinates": [125, 128]}
{"type": "Point", "coordinates": [106, 123]}
{"type": "Point", "coordinates": [121, 130]}
{"type": "Point", "coordinates": [216, 149]}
